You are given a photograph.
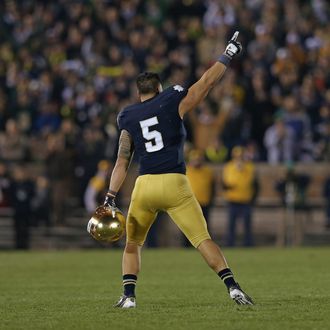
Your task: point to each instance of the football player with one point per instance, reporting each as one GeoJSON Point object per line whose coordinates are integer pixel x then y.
{"type": "Point", "coordinates": [154, 130]}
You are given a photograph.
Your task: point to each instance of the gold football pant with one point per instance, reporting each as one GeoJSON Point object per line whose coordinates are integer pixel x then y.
{"type": "Point", "coordinates": [170, 193]}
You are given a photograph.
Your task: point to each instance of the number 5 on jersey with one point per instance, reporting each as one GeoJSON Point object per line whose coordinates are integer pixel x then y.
{"type": "Point", "coordinates": [154, 137]}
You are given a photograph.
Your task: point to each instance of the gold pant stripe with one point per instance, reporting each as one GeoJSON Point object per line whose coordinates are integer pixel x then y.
{"type": "Point", "coordinates": [170, 193]}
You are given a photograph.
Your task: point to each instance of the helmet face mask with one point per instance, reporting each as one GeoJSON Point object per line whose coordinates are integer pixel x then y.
{"type": "Point", "coordinates": [105, 225]}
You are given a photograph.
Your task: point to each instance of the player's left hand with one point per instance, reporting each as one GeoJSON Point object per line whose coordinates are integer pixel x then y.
{"type": "Point", "coordinates": [234, 47]}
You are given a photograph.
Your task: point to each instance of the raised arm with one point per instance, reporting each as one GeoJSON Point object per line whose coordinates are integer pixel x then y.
{"type": "Point", "coordinates": [124, 157]}
{"type": "Point", "coordinates": [198, 91]}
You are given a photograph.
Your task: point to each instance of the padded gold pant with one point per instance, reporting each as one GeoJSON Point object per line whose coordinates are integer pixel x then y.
{"type": "Point", "coordinates": [170, 193]}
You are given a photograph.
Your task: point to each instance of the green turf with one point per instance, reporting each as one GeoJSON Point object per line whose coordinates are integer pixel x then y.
{"type": "Point", "coordinates": [76, 289]}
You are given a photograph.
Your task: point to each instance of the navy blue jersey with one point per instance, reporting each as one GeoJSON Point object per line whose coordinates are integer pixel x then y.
{"type": "Point", "coordinates": [157, 131]}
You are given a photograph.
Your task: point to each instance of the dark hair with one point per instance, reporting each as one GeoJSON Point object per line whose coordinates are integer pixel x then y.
{"type": "Point", "coordinates": [147, 82]}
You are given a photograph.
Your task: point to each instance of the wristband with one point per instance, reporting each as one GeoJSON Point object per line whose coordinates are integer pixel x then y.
{"type": "Point", "coordinates": [111, 193]}
{"type": "Point", "coordinates": [224, 59]}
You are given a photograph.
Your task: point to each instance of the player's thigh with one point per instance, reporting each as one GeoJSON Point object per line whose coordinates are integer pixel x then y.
{"type": "Point", "coordinates": [188, 216]}
{"type": "Point", "coordinates": [139, 221]}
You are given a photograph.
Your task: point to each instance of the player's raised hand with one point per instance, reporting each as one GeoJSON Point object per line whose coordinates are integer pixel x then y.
{"type": "Point", "coordinates": [234, 47]}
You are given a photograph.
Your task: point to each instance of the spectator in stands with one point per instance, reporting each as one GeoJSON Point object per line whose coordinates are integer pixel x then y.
{"type": "Point", "coordinates": [208, 122]}
{"type": "Point", "coordinates": [202, 181]}
{"type": "Point", "coordinates": [13, 144]}
{"type": "Point", "coordinates": [310, 99]}
{"type": "Point", "coordinates": [292, 189]}
{"type": "Point", "coordinates": [97, 186]}
{"type": "Point", "coordinates": [322, 146]}
{"type": "Point", "coordinates": [326, 194]}
{"type": "Point", "coordinates": [70, 132]}
{"type": "Point", "coordinates": [41, 202]}
{"type": "Point", "coordinates": [285, 72]}
{"type": "Point", "coordinates": [38, 147]}
{"type": "Point", "coordinates": [240, 190]}
{"type": "Point", "coordinates": [90, 151]}
{"type": "Point", "coordinates": [3, 109]}
{"type": "Point", "coordinates": [296, 118]}
{"type": "Point", "coordinates": [259, 106]}
{"type": "Point", "coordinates": [252, 152]}
{"type": "Point", "coordinates": [4, 185]}
{"type": "Point", "coordinates": [48, 119]}
{"type": "Point", "coordinates": [111, 137]}
{"type": "Point", "coordinates": [21, 194]}
{"type": "Point", "coordinates": [279, 141]}
{"type": "Point", "coordinates": [229, 95]}
{"type": "Point", "coordinates": [60, 165]}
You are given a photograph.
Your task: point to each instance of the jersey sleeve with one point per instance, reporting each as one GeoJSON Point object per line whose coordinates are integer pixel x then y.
{"type": "Point", "coordinates": [178, 93]}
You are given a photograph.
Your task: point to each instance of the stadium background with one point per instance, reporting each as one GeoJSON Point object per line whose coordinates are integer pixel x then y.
{"type": "Point", "coordinates": [67, 68]}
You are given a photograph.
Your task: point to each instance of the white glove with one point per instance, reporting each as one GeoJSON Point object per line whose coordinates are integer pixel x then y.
{"type": "Point", "coordinates": [233, 48]}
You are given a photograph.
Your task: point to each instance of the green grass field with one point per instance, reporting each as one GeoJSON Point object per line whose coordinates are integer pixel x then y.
{"type": "Point", "coordinates": [76, 289]}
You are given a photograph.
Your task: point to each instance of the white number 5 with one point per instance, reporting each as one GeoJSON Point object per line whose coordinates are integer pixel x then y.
{"type": "Point", "coordinates": [157, 143]}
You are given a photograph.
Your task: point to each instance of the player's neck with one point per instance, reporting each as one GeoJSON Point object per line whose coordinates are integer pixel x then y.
{"type": "Point", "coordinates": [145, 97]}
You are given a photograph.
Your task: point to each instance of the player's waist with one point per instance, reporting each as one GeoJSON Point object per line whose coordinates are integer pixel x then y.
{"type": "Point", "coordinates": [157, 176]}
{"type": "Point", "coordinates": [162, 168]}
{"type": "Point", "coordinates": [178, 170]}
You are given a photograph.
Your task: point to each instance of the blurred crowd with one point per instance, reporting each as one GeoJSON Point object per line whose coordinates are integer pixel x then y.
{"type": "Point", "coordinates": [68, 67]}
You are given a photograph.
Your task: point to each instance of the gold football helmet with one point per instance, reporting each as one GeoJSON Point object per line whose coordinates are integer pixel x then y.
{"type": "Point", "coordinates": [107, 224]}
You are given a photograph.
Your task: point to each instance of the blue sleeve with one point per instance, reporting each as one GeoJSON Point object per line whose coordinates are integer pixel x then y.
{"type": "Point", "coordinates": [178, 92]}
